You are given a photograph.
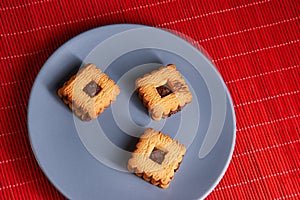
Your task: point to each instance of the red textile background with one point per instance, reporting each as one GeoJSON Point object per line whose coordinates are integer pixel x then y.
{"type": "Point", "coordinates": [254, 44]}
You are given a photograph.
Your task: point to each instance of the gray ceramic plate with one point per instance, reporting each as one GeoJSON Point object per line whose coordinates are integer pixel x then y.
{"type": "Point", "coordinates": [87, 160]}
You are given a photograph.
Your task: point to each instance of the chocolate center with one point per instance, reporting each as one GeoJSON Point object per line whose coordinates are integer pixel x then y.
{"type": "Point", "coordinates": [92, 89]}
{"type": "Point", "coordinates": [164, 90]}
{"type": "Point", "coordinates": [157, 155]}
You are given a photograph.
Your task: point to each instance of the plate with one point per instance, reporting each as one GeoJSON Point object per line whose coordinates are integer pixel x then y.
{"type": "Point", "coordinates": [87, 160]}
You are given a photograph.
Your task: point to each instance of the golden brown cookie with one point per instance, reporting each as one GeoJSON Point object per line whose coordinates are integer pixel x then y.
{"type": "Point", "coordinates": [156, 158]}
{"type": "Point", "coordinates": [89, 92]}
{"type": "Point", "coordinates": [163, 91]}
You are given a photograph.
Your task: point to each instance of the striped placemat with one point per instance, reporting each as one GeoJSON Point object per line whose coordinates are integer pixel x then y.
{"type": "Point", "coordinates": [254, 44]}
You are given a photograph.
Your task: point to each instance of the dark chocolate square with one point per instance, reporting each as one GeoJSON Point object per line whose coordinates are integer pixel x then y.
{"type": "Point", "coordinates": [157, 155]}
{"type": "Point", "coordinates": [92, 89]}
{"type": "Point", "coordinates": [164, 90]}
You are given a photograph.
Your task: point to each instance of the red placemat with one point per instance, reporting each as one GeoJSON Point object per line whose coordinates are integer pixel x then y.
{"type": "Point", "coordinates": [254, 44]}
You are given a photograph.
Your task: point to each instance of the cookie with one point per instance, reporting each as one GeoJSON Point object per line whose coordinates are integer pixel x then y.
{"type": "Point", "coordinates": [156, 158]}
{"type": "Point", "coordinates": [164, 92]}
{"type": "Point", "coordinates": [88, 92]}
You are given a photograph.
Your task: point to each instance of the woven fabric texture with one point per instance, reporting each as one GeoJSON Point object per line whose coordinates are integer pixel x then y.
{"type": "Point", "coordinates": [254, 45]}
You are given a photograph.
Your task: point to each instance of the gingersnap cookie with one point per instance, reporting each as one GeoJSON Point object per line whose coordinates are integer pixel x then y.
{"type": "Point", "coordinates": [163, 91]}
{"type": "Point", "coordinates": [156, 158]}
{"type": "Point", "coordinates": [89, 92]}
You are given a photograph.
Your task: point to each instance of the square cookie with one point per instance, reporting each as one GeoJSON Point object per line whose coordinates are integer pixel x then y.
{"type": "Point", "coordinates": [89, 92]}
{"type": "Point", "coordinates": [164, 92]}
{"type": "Point", "coordinates": [157, 157]}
